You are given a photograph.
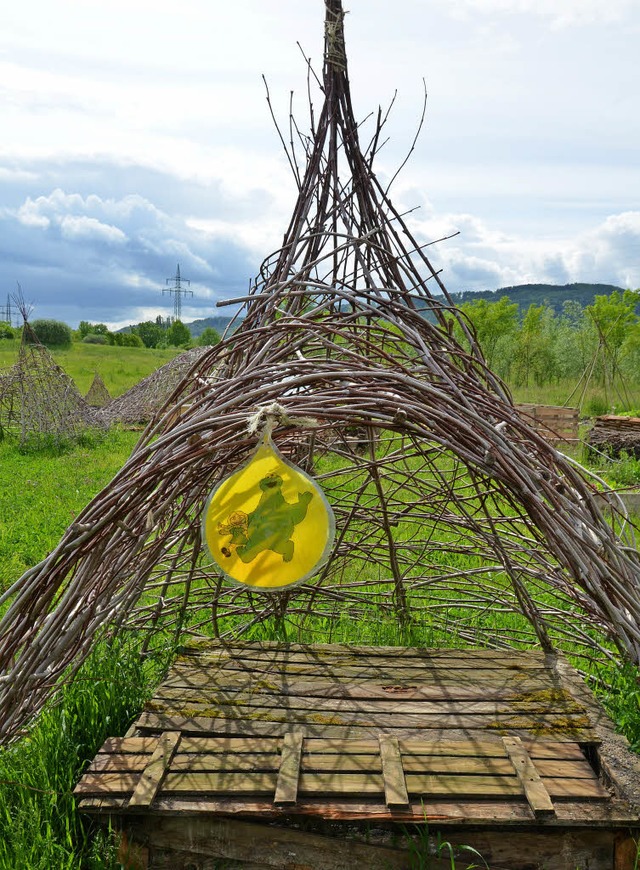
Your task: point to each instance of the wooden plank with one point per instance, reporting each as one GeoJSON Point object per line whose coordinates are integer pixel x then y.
{"type": "Point", "coordinates": [319, 651]}
{"type": "Point", "coordinates": [345, 763]}
{"type": "Point", "coordinates": [576, 789]}
{"type": "Point", "coordinates": [316, 655]}
{"type": "Point", "coordinates": [537, 849]}
{"type": "Point", "coordinates": [197, 698]}
{"type": "Point", "coordinates": [342, 763]}
{"type": "Point", "coordinates": [436, 730]}
{"type": "Point", "coordinates": [564, 769]}
{"type": "Point", "coordinates": [321, 687]}
{"type": "Point", "coordinates": [341, 745]}
{"type": "Point", "coordinates": [551, 724]}
{"type": "Point", "coordinates": [331, 783]}
{"type": "Point", "coordinates": [393, 671]}
{"type": "Point", "coordinates": [113, 762]}
{"type": "Point", "coordinates": [230, 840]}
{"type": "Point", "coordinates": [456, 764]}
{"type": "Point", "coordinates": [237, 844]}
{"type": "Point", "coordinates": [289, 772]}
{"type": "Point", "coordinates": [107, 783]}
{"type": "Point", "coordinates": [229, 744]}
{"type": "Point", "coordinates": [247, 761]}
{"type": "Point", "coordinates": [395, 789]}
{"type": "Point", "coordinates": [130, 744]}
{"type": "Point", "coordinates": [484, 746]}
{"type": "Point", "coordinates": [150, 779]}
{"type": "Point", "coordinates": [221, 782]}
{"type": "Point", "coordinates": [459, 760]}
{"type": "Point", "coordinates": [537, 748]}
{"type": "Point", "coordinates": [450, 785]}
{"type": "Point", "coordinates": [438, 811]}
{"type": "Point", "coordinates": [534, 789]}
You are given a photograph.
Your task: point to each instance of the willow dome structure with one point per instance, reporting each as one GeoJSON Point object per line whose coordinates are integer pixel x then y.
{"type": "Point", "coordinates": [453, 516]}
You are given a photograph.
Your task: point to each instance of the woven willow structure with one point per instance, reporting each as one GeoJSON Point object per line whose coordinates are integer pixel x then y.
{"type": "Point", "coordinates": [97, 395]}
{"type": "Point", "coordinates": [39, 402]}
{"type": "Point", "coordinates": [143, 401]}
{"type": "Point", "coordinates": [453, 515]}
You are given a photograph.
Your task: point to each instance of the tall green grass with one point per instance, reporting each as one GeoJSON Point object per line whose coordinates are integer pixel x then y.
{"type": "Point", "coordinates": [41, 493]}
{"type": "Point", "coordinates": [40, 826]}
{"type": "Point", "coordinates": [593, 403]}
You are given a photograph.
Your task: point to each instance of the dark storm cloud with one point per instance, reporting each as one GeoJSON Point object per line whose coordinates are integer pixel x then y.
{"type": "Point", "coordinates": [94, 250]}
{"type": "Point", "coordinates": [117, 180]}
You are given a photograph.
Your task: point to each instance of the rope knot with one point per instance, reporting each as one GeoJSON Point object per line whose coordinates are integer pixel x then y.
{"type": "Point", "coordinates": [267, 417]}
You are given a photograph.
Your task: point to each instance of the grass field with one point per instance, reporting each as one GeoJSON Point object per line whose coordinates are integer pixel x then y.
{"type": "Point", "coordinates": [40, 494]}
{"type": "Point", "coordinates": [119, 367]}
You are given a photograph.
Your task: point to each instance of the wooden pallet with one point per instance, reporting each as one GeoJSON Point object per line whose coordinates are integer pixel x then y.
{"type": "Point", "coordinates": [382, 735]}
{"type": "Point", "coordinates": [293, 770]}
{"type": "Point", "coordinates": [554, 422]}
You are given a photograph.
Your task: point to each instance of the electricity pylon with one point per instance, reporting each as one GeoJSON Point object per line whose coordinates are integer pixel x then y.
{"type": "Point", "coordinates": [178, 292]}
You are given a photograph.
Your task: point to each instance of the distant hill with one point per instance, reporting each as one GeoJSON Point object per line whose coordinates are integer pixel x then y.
{"type": "Point", "coordinates": [197, 327]}
{"type": "Point", "coordinates": [537, 294]}
{"type": "Point", "coordinates": [524, 294]}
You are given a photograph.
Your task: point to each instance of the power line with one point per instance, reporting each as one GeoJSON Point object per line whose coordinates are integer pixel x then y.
{"type": "Point", "coordinates": [178, 291]}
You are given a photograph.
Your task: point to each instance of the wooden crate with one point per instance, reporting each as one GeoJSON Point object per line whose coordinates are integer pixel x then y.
{"type": "Point", "coordinates": [489, 747]}
{"type": "Point", "coordinates": [554, 422]}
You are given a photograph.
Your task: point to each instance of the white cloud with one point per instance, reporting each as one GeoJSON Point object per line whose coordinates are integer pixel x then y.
{"type": "Point", "coordinates": [612, 249]}
{"type": "Point", "coordinates": [14, 175]}
{"type": "Point", "coordinates": [84, 227]}
{"type": "Point", "coordinates": [561, 12]}
{"type": "Point", "coordinates": [115, 254]}
{"type": "Point", "coordinates": [482, 258]}
{"type": "Point", "coordinates": [29, 215]}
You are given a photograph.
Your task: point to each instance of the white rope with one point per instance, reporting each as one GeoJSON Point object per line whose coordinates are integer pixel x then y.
{"type": "Point", "coordinates": [267, 417]}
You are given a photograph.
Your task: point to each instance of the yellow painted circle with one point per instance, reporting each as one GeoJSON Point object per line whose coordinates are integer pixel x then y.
{"type": "Point", "coordinates": [268, 525]}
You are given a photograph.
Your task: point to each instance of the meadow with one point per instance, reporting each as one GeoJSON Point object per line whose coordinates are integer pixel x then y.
{"type": "Point", "coordinates": [40, 494]}
{"type": "Point", "coordinates": [119, 367]}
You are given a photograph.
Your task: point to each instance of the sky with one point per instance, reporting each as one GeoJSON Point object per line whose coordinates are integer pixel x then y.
{"type": "Point", "coordinates": [136, 136]}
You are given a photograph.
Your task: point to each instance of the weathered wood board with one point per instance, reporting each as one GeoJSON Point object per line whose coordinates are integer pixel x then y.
{"type": "Point", "coordinates": [454, 737]}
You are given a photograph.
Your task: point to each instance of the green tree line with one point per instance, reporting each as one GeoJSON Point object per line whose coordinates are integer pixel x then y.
{"type": "Point", "coordinates": [540, 346]}
{"type": "Point", "coordinates": [155, 334]}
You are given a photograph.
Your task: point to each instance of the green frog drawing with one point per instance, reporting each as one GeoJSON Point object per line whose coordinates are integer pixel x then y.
{"type": "Point", "coordinates": [269, 526]}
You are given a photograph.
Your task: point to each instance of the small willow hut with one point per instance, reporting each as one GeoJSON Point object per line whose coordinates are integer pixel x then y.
{"type": "Point", "coordinates": [453, 516]}
{"type": "Point", "coordinates": [97, 395]}
{"type": "Point", "coordinates": [39, 402]}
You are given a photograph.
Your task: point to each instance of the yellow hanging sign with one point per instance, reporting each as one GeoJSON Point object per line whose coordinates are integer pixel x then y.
{"type": "Point", "coordinates": [268, 525]}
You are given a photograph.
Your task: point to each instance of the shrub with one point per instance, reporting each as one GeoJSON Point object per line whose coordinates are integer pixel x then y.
{"type": "Point", "coordinates": [178, 334]}
{"type": "Point", "coordinates": [150, 333]}
{"type": "Point", "coordinates": [6, 330]}
{"type": "Point", "coordinates": [130, 339]}
{"type": "Point", "coordinates": [92, 338]}
{"type": "Point", "coordinates": [596, 406]}
{"type": "Point", "coordinates": [209, 337]}
{"type": "Point", "coordinates": [52, 333]}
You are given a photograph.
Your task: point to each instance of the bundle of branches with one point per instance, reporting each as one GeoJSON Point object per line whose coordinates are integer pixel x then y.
{"type": "Point", "coordinates": [452, 513]}
{"type": "Point", "coordinates": [614, 435]}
